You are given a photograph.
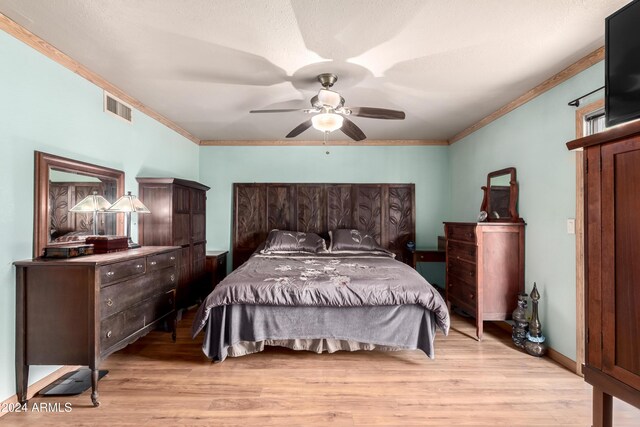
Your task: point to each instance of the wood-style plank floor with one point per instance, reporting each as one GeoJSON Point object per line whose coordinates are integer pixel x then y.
{"type": "Point", "coordinates": [155, 382]}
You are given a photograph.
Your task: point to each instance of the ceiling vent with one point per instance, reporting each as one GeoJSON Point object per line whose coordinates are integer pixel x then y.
{"type": "Point", "coordinates": [115, 106]}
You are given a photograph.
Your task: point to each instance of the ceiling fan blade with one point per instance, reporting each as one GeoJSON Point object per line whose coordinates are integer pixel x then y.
{"type": "Point", "coordinates": [299, 129]}
{"type": "Point", "coordinates": [352, 131]}
{"type": "Point", "coordinates": [282, 110]}
{"type": "Point", "coordinates": [377, 113]}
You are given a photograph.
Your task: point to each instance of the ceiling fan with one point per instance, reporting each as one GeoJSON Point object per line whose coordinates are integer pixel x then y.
{"type": "Point", "coordinates": [329, 112]}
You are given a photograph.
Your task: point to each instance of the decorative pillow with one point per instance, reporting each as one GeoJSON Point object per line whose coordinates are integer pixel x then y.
{"type": "Point", "coordinates": [353, 241]}
{"type": "Point", "coordinates": [281, 241]}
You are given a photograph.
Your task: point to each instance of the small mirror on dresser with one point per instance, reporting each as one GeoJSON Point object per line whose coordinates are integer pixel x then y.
{"type": "Point", "coordinates": [60, 183]}
{"type": "Point", "coordinates": [501, 196]}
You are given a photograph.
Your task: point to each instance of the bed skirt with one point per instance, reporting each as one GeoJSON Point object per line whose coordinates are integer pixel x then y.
{"type": "Point", "coordinates": [241, 329]}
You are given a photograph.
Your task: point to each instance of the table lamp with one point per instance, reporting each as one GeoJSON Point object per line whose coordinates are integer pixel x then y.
{"type": "Point", "coordinates": [128, 204]}
{"type": "Point", "coordinates": [93, 203]}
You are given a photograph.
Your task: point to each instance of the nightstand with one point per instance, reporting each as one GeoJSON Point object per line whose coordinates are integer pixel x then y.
{"type": "Point", "coordinates": [428, 255]}
{"type": "Point", "coordinates": [435, 273]}
{"type": "Point", "coordinates": [216, 270]}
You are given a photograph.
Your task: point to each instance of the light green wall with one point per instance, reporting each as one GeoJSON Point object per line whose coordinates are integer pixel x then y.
{"type": "Point", "coordinates": [427, 167]}
{"type": "Point", "coordinates": [45, 107]}
{"type": "Point", "coordinates": [532, 138]}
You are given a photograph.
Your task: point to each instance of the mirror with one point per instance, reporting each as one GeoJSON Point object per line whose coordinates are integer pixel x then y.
{"type": "Point", "coordinates": [60, 183]}
{"type": "Point", "coordinates": [501, 196]}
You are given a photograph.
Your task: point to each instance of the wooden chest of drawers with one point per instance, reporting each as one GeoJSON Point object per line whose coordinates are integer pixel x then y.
{"type": "Point", "coordinates": [77, 311]}
{"type": "Point", "coordinates": [485, 268]}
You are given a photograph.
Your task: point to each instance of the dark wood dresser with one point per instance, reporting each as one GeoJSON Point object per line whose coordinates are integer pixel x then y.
{"type": "Point", "coordinates": [178, 218]}
{"type": "Point", "coordinates": [77, 311]}
{"type": "Point", "coordinates": [612, 250]}
{"type": "Point", "coordinates": [484, 268]}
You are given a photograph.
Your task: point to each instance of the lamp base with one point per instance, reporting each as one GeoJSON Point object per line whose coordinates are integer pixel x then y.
{"type": "Point", "coordinates": [132, 244]}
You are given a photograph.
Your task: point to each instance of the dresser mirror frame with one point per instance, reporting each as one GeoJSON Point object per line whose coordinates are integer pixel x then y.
{"type": "Point", "coordinates": [500, 201]}
{"type": "Point", "coordinates": [44, 162]}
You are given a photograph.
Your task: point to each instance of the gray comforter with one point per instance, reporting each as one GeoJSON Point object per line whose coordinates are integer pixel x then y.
{"type": "Point", "coordinates": [324, 281]}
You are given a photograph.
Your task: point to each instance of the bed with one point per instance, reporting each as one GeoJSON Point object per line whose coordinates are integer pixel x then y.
{"type": "Point", "coordinates": [344, 289]}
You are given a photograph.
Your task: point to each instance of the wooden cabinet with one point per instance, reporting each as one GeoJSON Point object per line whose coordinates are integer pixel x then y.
{"type": "Point", "coordinates": [178, 217]}
{"type": "Point", "coordinates": [612, 249]}
{"type": "Point", "coordinates": [484, 268]}
{"type": "Point", "coordinates": [77, 311]}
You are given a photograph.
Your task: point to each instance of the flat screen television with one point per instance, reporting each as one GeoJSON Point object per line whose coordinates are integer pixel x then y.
{"type": "Point", "coordinates": [622, 65]}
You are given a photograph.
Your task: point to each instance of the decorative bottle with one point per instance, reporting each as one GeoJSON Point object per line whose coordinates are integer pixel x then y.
{"type": "Point", "coordinates": [520, 323]}
{"type": "Point", "coordinates": [535, 340]}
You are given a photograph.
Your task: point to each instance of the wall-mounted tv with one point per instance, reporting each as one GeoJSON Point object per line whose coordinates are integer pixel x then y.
{"type": "Point", "coordinates": [622, 65]}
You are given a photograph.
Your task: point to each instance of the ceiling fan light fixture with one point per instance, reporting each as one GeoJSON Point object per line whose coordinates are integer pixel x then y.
{"type": "Point", "coordinates": [329, 98]}
{"type": "Point", "coordinates": [327, 122]}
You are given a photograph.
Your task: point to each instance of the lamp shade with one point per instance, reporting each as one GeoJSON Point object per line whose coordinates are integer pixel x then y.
{"type": "Point", "coordinates": [128, 203]}
{"type": "Point", "coordinates": [327, 122]}
{"type": "Point", "coordinates": [92, 203]}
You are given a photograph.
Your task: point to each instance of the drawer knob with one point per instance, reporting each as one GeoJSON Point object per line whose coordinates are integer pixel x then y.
{"type": "Point", "coordinates": [451, 285]}
{"type": "Point", "coordinates": [109, 334]}
{"type": "Point", "coordinates": [469, 235]}
{"type": "Point", "coordinates": [172, 258]}
{"type": "Point", "coordinates": [154, 262]}
{"type": "Point", "coordinates": [110, 273]}
{"type": "Point", "coordinates": [109, 302]}
{"type": "Point", "coordinates": [471, 296]}
{"type": "Point", "coordinates": [172, 277]}
{"type": "Point", "coordinates": [138, 265]}
{"type": "Point", "coordinates": [471, 273]}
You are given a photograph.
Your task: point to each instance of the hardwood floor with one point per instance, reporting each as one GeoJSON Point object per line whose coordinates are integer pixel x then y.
{"type": "Point", "coordinates": [156, 382]}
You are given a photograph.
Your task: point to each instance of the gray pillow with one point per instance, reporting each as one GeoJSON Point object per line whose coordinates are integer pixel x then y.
{"type": "Point", "coordinates": [353, 241]}
{"type": "Point", "coordinates": [282, 241]}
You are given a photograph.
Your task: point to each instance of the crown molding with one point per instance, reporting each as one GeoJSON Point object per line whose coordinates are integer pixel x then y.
{"type": "Point", "coordinates": [564, 75]}
{"type": "Point", "coordinates": [19, 32]}
{"type": "Point", "coordinates": [299, 143]}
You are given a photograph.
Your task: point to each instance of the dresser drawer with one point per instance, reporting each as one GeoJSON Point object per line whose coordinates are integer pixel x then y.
{"type": "Point", "coordinates": [462, 271]}
{"type": "Point", "coordinates": [111, 331]}
{"type": "Point", "coordinates": [462, 295]}
{"type": "Point", "coordinates": [120, 296]}
{"type": "Point", "coordinates": [150, 310]}
{"type": "Point", "coordinates": [121, 270]}
{"type": "Point", "coordinates": [461, 251]}
{"type": "Point", "coordinates": [465, 233]}
{"type": "Point", "coordinates": [160, 261]}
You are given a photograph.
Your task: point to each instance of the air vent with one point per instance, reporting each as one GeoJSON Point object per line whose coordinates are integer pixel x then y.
{"type": "Point", "coordinates": [114, 106]}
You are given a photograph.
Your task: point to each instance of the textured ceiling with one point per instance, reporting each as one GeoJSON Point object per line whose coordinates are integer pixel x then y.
{"type": "Point", "coordinates": [205, 63]}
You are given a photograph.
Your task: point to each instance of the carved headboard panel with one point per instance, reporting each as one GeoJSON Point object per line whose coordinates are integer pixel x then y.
{"type": "Point", "coordinates": [384, 210]}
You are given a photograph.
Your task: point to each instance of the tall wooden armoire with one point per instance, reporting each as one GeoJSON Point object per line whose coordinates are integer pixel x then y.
{"type": "Point", "coordinates": [612, 250]}
{"type": "Point", "coordinates": [177, 218]}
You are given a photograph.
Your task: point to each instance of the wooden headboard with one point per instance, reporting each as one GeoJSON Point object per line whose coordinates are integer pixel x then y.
{"type": "Point", "coordinates": [386, 211]}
